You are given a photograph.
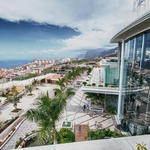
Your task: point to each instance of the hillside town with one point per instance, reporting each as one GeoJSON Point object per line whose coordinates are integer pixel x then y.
{"type": "Point", "coordinates": [35, 68]}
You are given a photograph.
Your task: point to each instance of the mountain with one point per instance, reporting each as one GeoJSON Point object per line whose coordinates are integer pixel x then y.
{"type": "Point", "coordinates": [100, 52]}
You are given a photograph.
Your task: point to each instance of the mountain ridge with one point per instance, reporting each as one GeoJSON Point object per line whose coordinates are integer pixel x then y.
{"type": "Point", "coordinates": [100, 52]}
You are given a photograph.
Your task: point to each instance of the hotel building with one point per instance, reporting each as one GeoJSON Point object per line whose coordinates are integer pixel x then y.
{"type": "Point", "coordinates": [134, 86]}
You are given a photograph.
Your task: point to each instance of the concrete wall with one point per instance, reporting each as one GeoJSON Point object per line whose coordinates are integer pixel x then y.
{"type": "Point", "coordinates": [126, 143]}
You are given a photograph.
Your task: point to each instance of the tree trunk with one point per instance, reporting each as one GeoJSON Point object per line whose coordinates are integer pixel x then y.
{"type": "Point", "coordinates": [55, 139]}
{"type": "Point", "coordinates": [104, 105]}
{"type": "Point", "coordinates": [66, 120]}
{"type": "Point", "coordinates": [15, 106]}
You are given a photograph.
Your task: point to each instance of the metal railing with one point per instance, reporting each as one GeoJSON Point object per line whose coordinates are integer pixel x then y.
{"type": "Point", "coordinates": [112, 90]}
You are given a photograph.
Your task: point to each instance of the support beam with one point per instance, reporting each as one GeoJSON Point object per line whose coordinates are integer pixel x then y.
{"type": "Point", "coordinates": [120, 100]}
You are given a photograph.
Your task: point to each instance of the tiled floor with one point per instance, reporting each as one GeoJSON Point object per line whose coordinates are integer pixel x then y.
{"type": "Point", "coordinates": [76, 115]}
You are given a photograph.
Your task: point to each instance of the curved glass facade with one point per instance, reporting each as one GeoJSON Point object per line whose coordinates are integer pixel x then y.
{"type": "Point", "coordinates": [136, 81]}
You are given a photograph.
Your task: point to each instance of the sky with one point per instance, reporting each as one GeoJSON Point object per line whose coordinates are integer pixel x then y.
{"type": "Point", "coordinates": [59, 28]}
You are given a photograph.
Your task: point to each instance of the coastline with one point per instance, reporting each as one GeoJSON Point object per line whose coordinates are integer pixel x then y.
{"type": "Point", "coordinates": [8, 64]}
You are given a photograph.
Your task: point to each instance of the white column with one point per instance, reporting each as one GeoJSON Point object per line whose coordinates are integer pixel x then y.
{"type": "Point", "coordinates": [142, 51]}
{"type": "Point", "coordinates": [119, 111]}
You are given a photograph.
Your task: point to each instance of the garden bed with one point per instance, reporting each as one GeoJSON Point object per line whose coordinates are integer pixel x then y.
{"type": "Point", "coordinates": [67, 124]}
{"type": "Point", "coordinates": [8, 123]}
{"type": "Point", "coordinates": [30, 94]}
{"type": "Point", "coordinates": [16, 110]}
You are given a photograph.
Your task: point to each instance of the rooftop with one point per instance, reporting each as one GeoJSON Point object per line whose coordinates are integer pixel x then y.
{"type": "Point", "coordinates": [138, 26]}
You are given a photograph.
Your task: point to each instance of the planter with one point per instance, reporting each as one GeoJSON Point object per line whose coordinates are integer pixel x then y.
{"type": "Point", "coordinates": [26, 141]}
{"type": "Point", "coordinates": [67, 125]}
{"type": "Point", "coordinates": [16, 114]}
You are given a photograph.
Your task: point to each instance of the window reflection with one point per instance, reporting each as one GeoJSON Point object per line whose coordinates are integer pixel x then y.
{"type": "Point", "coordinates": [138, 51]}
{"type": "Point", "coordinates": [137, 77]}
{"type": "Point", "coordinates": [146, 55]}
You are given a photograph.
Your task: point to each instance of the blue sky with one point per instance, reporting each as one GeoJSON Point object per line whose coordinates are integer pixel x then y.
{"type": "Point", "coordinates": [55, 29]}
{"type": "Point", "coordinates": [28, 39]}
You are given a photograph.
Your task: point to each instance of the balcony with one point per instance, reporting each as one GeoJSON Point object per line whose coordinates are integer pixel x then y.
{"type": "Point", "coordinates": [111, 90]}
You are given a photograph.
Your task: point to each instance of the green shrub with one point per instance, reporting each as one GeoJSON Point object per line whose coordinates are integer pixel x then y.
{"type": "Point", "coordinates": [4, 94]}
{"type": "Point", "coordinates": [114, 86]}
{"type": "Point", "coordinates": [84, 83]}
{"type": "Point", "coordinates": [104, 133]}
{"type": "Point", "coordinates": [66, 136]}
{"type": "Point", "coordinates": [100, 85]}
{"type": "Point", "coordinates": [111, 111]}
{"type": "Point", "coordinates": [93, 84]}
{"type": "Point", "coordinates": [18, 142]}
{"type": "Point", "coordinates": [89, 85]}
{"type": "Point", "coordinates": [141, 147]}
{"type": "Point", "coordinates": [13, 129]}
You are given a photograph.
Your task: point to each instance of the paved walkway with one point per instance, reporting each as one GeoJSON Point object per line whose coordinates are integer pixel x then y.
{"type": "Point", "coordinates": [95, 76]}
{"type": "Point", "coordinates": [22, 82]}
{"type": "Point", "coordinates": [27, 102]}
{"type": "Point", "coordinates": [26, 127]}
{"type": "Point", "coordinates": [76, 115]}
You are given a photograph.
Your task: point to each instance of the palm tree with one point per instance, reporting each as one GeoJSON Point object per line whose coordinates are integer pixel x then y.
{"type": "Point", "coordinates": [13, 97]}
{"type": "Point", "coordinates": [61, 83]}
{"type": "Point", "coordinates": [47, 113]}
{"type": "Point", "coordinates": [64, 95]}
{"type": "Point", "coordinates": [13, 91]}
{"type": "Point", "coordinates": [68, 77]}
{"type": "Point", "coordinates": [14, 100]}
{"type": "Point", "coordinates": [29, 88]}
{"type": "Point", "coordinates": [35, 82]}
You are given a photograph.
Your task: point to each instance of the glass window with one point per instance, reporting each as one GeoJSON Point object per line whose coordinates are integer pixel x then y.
{"type": "Point", "coordinates": [131, 49]}
{"type": "Point", "coordinates": [146, 55]}
{"type": "Point", "coordinates": [138, 49]}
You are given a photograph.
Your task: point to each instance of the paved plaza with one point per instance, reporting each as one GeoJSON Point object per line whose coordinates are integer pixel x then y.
{"type": "Point", "coordinates": [75, 114]}
{"type": "Point", "coordinates": [26, 102]}
{"type": "Point", "coordinates": [26, 127]}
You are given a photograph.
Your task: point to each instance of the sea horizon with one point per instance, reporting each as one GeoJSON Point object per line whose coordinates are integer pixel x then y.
{"type": "Point", "coordinates": [7, 64]}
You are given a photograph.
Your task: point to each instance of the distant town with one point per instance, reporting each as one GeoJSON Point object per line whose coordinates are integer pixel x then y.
{"type": "Point", "coordinates": [35, 68]}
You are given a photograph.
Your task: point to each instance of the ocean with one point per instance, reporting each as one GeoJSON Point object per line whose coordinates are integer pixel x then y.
{"type": "Point", "coordinates": [13, 63]}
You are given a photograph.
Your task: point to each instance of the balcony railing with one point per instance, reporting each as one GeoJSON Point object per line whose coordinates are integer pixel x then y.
{"type": "Point", "coordinates": [112, 90]}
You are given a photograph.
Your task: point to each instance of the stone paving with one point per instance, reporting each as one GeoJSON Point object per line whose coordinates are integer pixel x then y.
{"type": "Point", "coordinates": [75, 114]}
{"type": "Point", "coordinates": [25, 127]}
{"type": "Point", "coordinates": [95, 76]}
{"type": "Point", "coordinates": [27, 102]}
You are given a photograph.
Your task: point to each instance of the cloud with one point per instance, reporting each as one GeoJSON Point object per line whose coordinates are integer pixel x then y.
{"type": "Point", "coordinates": [37, 52]}
{"type": "Point", "coordinates": [97, 20]}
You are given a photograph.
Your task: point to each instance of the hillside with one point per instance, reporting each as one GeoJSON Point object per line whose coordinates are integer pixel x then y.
{"type": "Point", "coordinates": [97, 53]}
